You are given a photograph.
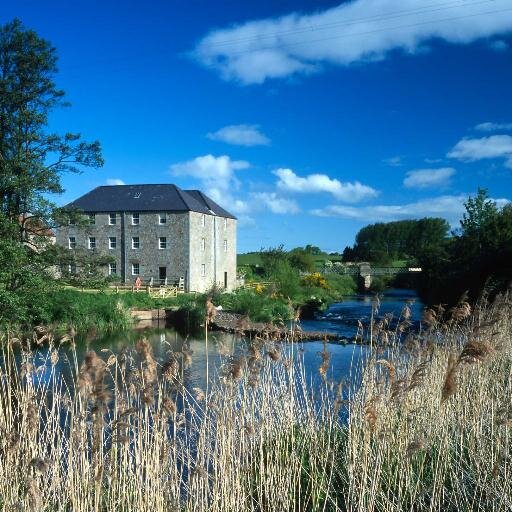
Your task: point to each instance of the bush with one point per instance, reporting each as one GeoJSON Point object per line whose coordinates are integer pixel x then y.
{"type": "Point", "coordinates": [260, 307]}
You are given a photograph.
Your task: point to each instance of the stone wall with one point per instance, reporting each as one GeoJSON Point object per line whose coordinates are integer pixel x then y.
{"type": "Point", "coordinates": [210, 252]}
{"type": "Point", "coordinates": [184, 256]}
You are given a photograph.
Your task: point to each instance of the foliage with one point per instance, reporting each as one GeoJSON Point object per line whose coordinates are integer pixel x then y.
{"type": "Point", "coordinates": [260, 307]}
{"type": "Point", "coordinates": [423, 427]}
{"type": "Point", "coordinates": [477, 257]}
{"type": "Point", "coordinates": [316, 280]}
{"type": "Point", "coordinates": [301, 259]}
{"type": "Point", "coordinates": [272, 258]}
{"type": "Point", "coordinates": [32, 161]}
{"type": "Point", "coordinates": [383, 242]}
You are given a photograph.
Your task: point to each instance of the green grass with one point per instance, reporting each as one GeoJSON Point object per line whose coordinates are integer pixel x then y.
{"type": "Point", "coordinates": [250, 258]}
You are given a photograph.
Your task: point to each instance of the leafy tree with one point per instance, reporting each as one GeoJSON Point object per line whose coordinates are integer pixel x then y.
{"type": "Point", "coordinates": [32, 161]}
{"type": "Point", "coordinates": [32, 158]}
{"type": "Point", "coordinates": [313, 249]}
{"type": "Point", "coordinates": [405, 239]}
{"type": "Point", "coordinates": [301, 259]}
{"type": "Point", "coordinates": [273, 257]}
{"type": "Point", "coordinates": [476, 258]}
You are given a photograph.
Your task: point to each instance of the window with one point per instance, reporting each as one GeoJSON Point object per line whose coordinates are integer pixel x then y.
{"type": "Point", "coordinates": [92, 242]}
{"type": "Point", "coordinates": [72, 268]}
{"type": "Point", "coordinates": [203, 220]}
{"type": "Point", "coordinates": [72, 242]}
{"type": "Point", "coordinates": [92, 218]}
{"type": "Point", "coordinates": [135, 242]}
{"type": "Point", "coordinates": [71, 222]}
{"type": "Point", "coordinates": [203, 244]}
{"type": "Point", "coordinates": [162, 218]}
{"type": "Point", "coordinates": [135, 219]}
{"type": "Point", "coordinates": [112, 268]}
{"type": "Point", "coordinates": [162, 242]}
{"type": "Point", "coordinates": [112, 242]}
{"type": "Point", "coordinates": [225, 223]}
{"type": "Point", "coordinates": [203, 270]}
{"type": "Point", "coordinates": [225, 246]}
{"type": "Point", "coordinates": [135, 269]}
{"type": "Point", "coordinates": [112, 219]}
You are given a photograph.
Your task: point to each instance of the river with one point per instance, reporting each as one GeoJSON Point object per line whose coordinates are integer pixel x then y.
{"type": "Point", "coordinates": [341, 318]}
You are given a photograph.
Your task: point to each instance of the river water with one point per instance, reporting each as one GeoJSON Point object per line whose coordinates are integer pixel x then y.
{"type": "Point", "coordinates": [341, 318]}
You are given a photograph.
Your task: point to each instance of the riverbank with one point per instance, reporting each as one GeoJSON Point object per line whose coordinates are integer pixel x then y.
{"type": "Point", "coordinates": [423, 428]}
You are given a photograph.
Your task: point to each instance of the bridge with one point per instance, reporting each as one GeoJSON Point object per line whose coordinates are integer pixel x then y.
{"type": "Point", "coordinates": [365, 271]}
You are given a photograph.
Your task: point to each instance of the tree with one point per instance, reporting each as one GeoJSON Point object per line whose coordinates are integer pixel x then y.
{"type": "Point", "coordinates": [476, 258]}
{"type": "Point", "coordinates": [273, 257]}
{"type": "Point", "coordinates": [32, 159]}
{"type": "Point", "coordinates": [301, 259]}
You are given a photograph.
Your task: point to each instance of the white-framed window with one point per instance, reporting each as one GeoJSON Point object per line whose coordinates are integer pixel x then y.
{"type": "Point", "coordinates": [92, 218]}
{"type": "Point", "coordinates": [72, 268]}
{"type": "Point", "coordinates": [162, 218]}
{"type": "Point", "coordinates": [112, 269]}
{"type": "Point", "coordinates": [203, 244]}
{"type": "Point", "coordinates": [92, 242]}
{"type": "Point", "coordinates": [225, 223]}
{"type": "Point", "coordinates": [135, 269]}
{"type": "Point", "coordinates": [135, 219]}
{"type": "Point", "coordinates": [72, 242]}
{"type": "Point", "coordinates": [203, 270]}
{"type": "Point", "coordinates": [162, 242]}
{"type": "Point", "coordinates": [225, 246]}
{"type": "Point", "coordinates": [135, 242]}
{"type": "Point", "coordinates": [203, 220]}
{"type": "Point", "coordinates": [112, 219]}
{"type": "Point", "coordinates": [112, 242]}
{"type": "Point", "coordinates": [71, 222]}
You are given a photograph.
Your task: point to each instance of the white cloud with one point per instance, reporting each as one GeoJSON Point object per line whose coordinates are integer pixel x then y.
{"type": "Point", "coordinates": [449, 207]}
{"type": "Point", "coordinates": [240, 135]}
{"type": "Point", "coordinates": [394, 161]}
{"type": "Point", "coordinates": [355, 31]}
{"type": "Point", "coordinates": [424, 178]}
{"type": "Point", "coordinates": [216, 175]}
{"type": "Point", "coordinates": [115, 181]}
{"type": "Point", "coordinates": [493, 127]}
{"type": "Point", "coordinates": [348, 192]}
{"type": "Point", "coordinates": [498, 45]}
{"type": "Point", "coordinates": [276, 204]}
{"type": "Point", "coordinates": [494, 146]}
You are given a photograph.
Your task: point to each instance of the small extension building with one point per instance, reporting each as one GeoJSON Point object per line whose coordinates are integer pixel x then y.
{"type": "Point", "coordinates": [160, 233]}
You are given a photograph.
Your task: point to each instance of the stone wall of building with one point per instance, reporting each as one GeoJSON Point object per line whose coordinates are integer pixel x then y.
{"type": "Point", "coordinates": [148, 255]}
{"type": "Point", "coordinates": [208, 233]}
{"type": "Point", "coordinates": [201, 249]}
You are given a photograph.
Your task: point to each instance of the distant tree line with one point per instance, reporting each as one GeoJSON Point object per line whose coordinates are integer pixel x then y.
{"type": "Point", "coordinates": [382, 243]}
{"type": "Point", "coordinates": [475, 258]}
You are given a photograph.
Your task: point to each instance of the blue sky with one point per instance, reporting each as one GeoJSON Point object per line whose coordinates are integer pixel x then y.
{"type": "Point", "coordinates": [308, 120]}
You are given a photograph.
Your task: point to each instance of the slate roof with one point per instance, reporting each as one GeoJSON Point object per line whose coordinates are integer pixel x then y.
{"type": "Point", "coordinates": [147, 198]}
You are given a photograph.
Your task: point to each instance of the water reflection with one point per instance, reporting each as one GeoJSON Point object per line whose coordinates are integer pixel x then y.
{"type": "Point", "coordinates": [340, 318]}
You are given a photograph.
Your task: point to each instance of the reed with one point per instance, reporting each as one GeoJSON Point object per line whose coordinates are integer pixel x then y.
{"type": "Point", "coordinates": [427, 427]}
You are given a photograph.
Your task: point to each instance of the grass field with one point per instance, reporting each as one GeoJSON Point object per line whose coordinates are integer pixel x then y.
{"type": "Point", "coordinates": [253, 258]}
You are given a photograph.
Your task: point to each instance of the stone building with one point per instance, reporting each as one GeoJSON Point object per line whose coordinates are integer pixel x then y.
{"type": "Point", "coordinates": [160, 233]}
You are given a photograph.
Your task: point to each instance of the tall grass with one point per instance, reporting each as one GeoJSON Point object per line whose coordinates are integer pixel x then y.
{"type": "Point", "coordinates": [428, 427]}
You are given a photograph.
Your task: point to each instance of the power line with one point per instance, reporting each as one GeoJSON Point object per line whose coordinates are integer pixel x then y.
{"type": "Point", "coordinates": [394, 15]}
{"type": "Point", "coordinates": [355, 34]}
